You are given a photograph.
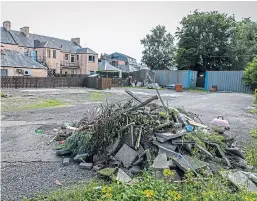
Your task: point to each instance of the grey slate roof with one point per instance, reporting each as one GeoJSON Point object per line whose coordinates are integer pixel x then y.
{"type": "Point", "coordinates": [86, 50]}
{"type": "Point", "coordinates": [6, 37]}
{"type": "Point", "coordinates": [64, 45]}
{"type": "Point", "coordinates": [48, 44]}
{"type": "Point", "coordinates": [16, 59]}
{"type": "Point", "coordinates": [105, 66]}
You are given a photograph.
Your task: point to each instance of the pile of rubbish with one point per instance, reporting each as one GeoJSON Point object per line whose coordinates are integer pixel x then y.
{"type": "Point", "coordinates": [120, 140]}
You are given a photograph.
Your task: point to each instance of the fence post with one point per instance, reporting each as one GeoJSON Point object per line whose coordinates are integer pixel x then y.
{"type": "Point", "coordinates": [188, 79]}
{"type": "Point", "coordinates": [36, 82]}
{"type": "Point", "coordinates": [15, 82]}
{"type": "Point", "coordinates": [206, 81]}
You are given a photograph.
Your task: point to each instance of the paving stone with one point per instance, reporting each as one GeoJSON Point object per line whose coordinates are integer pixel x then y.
{"type": "Point", "coordinates": [122, 176]}
{"type": "Point", "coordinates": [66, 161]}
{"type": "Point", "coordinates": [87, 166]}
{"type": "Point", "coordinates": [126, 155]}
{"type": "Point", "coordinates": [186, 163]}
{"type": "Point", "coordinates": [160, 162]}
{"type": "Point", "coordinates": [81, 157]}
{"type": "Point", "coordinates": [63, 152]}
{"type": "Point", "coordinates": [240, 180]}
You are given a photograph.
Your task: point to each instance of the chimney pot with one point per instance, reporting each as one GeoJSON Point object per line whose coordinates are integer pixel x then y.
{"type": "Point", "coordinates": [7, 25]}
{"type": "Point", "coordinates": [76, 40]}
{"type": "Point", "coordinates": [25, 31]}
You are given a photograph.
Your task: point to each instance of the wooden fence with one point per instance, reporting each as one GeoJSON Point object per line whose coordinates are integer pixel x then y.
{"type": "Point", "coordinates": [42, 82]}
{"type": "Point", "coordinates": [98, 83]}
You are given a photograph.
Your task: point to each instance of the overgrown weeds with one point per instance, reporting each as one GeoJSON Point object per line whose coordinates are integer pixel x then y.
{"type": "Point", "coordinates": [148, 188]}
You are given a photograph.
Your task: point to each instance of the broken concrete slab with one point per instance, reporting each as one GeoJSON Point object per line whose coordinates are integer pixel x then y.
{"type": "Point", "coordinates": [98, 167]}
{"type": "Point", "coordinates": [122, 176]}
{"type": "Point", "coordinates": [204, 151]}
{"type": "Point", "coordinates": [236, 151]}
{"type": "Point", "coordinates": [81, 157]}
{"type": "Point", "coordinates": [240, 180]}
{"type": "Point", "coordinates": [113, 147]}
{"type": "Point", "coordinates": [168, 136]}
{"type": "Point", "coordinates": [135, 169]}
{"type": "Point", "coordinates": [166, 147]}
{"type": "Point", "coordinates": [171, 164]}
{"type": "Point", "coordinates": [160, 162]}
{"type": "Point", "coordinates": [107, 172]}
{"type": "Point", "coordinates": [63, 152]}
{"type": "Point", "coordinates": [251, 176]}
{"type": "Point", "coordinates": [126, 155]}
{"type": "Point", "coordinates": [139, 161]}
{"type": "Point", "coordinates": [187, 147]}
{"type": "Point", "coordinates": [186, 163]}
{"type": "Point", "coordinates": [87, 166]}
{"type": "Point", "coordinates": [66, 161]}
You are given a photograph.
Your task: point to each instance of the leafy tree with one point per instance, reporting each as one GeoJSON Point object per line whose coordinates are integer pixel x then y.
{"type": "Point", "coordinates": [158, 49]}
{"type": "Point", "coordinates": [250, 75]}
{"type": "Point", "coordinates": [244, 43]}
{"type": "Point", "coordinates": [204, 41]}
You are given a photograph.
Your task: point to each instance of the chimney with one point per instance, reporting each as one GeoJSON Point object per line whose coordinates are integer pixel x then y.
{"type": "Point", "coordinates": [25, 31]}
{"type": "Point", "coordinates": [7, 25]}
{"type": "Point", "coordinates": [76, 40]}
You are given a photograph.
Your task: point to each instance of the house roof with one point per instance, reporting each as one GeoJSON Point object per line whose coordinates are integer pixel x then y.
{"type": "Point", "coordinates": [127, 68]}
{"type": "Point", "coordinates": [117, 54]}
{"type": "Point", "coordinates": [17, 37]}
{"type": "Point", "coordinates": [6, 37]}
{"type": "Point", "coordinates": [85, 50]}
{"type": "Point", "coordinates": [105, 66]}
{"type": "Point", "coordinates": [11, 58]}
{"type": "Point", "coordinates": [64, 45]}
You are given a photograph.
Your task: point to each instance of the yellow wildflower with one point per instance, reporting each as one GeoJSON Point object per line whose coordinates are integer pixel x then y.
{"type": "Point", "coordinates": [167, 172]}
{"type": "Point", "coordinates": [148, 193]}
{"type": "Point", "coordinates": [106, 190]}
{"type": "Point", "coordinates": [108, 195]}
{"type": "Point", "coordinates": [175, 195]}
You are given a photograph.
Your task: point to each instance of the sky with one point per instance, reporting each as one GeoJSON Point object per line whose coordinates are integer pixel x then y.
{"type": "Point", "coordinates": [108, 27]}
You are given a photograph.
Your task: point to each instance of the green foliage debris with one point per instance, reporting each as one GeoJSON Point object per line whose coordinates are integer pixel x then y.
{"type": "Point", "coordinates": [45, 104]}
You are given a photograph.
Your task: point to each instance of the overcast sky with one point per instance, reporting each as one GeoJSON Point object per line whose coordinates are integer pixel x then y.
{"type": "Point", "coordinates": [108, 27]}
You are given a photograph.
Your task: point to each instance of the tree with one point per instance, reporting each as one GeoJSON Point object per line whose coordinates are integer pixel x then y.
{"type": "Point", "coordinates": [250, 74]}
{"type": "Point", "coordinates": [158, 49]}
{"type": "Point", "coordinates": [204, 41]}
{"type": "Point", "coordinates": [244, 43]}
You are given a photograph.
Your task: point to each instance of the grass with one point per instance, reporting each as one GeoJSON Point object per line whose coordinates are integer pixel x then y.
{"type": "Point", "coordinates": [97, 96]}
{"type": "Point", "coordinates": [45, 104]}
{"type": "Point", "coordinates": [148, 188]}
{"type": "Point", "coordinates": [2, 95]}
{"type": "Point", "coordinates": [195, 90]}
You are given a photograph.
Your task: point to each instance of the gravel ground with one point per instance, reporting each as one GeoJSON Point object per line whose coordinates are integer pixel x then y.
{"type": "Point", "coordinates": [30, 166]}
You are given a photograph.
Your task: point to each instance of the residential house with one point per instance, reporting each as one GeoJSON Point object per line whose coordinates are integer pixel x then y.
{"type": "Point", "coordinates": [14, 63]}
{"type": "Point", "coordinates": [124, 62]}
{"type": "Point", "coordinates": [58, 55]}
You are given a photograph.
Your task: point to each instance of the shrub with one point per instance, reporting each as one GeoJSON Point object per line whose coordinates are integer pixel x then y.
{"type": "Point", "coordinates": [250, 74]}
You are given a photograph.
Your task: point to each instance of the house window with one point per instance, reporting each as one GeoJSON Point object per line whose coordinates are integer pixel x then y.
{"type": "Point", "coordinates": [92, 58]}
{"type": "Point", "coordinates": [77, 57]}
{"type": "Point", "coordinates": [66, 56]}
{"type": "Point", "coordinates": [26, 52]}
{"type": "Point", "coordinates": [72, 59]}
{"type": "Point", "coordinates": [48, 53]}
{"type": "Point", "coordinates": [54, 54]}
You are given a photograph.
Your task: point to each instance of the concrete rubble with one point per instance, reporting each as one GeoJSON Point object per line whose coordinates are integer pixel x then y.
{"type": "Point", "coordinates": [120, 140]}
